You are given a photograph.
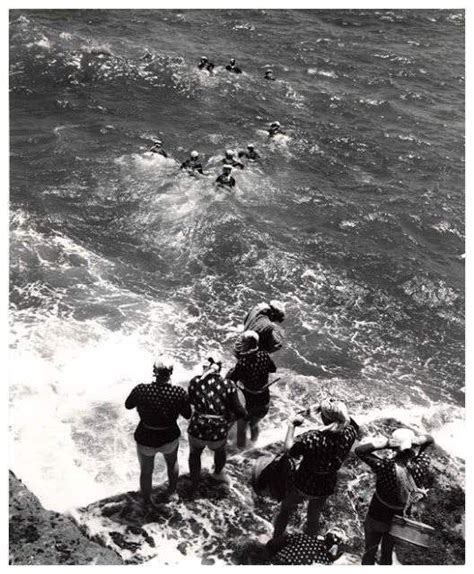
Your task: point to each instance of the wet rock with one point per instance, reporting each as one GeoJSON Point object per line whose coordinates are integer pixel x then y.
{"type": "Point", "coordinates": [231, 525]}
{"type": "Point", "coordinates": [39, 536]}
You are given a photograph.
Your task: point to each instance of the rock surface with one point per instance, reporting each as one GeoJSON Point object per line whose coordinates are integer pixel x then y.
{"type": "Point", "coordinates": [227, 524]}
{"type": "Point", "coordinates": [230, 524]}
{"type": "Point", "coordinates": [39, 536]}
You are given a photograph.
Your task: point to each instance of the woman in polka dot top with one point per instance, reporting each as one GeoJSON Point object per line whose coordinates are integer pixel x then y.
{"type": "Point", "coordinates": [159, 404]}
{"type": "Point", "coordinates": [400, 481]}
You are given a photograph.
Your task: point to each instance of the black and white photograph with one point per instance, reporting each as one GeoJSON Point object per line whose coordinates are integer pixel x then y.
{"type": "Point", "coordinates": [235, 311]}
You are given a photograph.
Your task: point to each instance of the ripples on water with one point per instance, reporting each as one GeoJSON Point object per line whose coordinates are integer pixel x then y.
{"type": "Point", "coordinates": [355, 219]}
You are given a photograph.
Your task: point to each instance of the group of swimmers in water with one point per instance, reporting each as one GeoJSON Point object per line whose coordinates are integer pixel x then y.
{"type": "Point", "coordinates": [193, 165]}
{"type": "Point", "coordinates": [307, 469]}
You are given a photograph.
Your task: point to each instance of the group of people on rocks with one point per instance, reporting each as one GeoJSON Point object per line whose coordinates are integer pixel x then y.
{"type": "Point", "coordinates": [306, 472]}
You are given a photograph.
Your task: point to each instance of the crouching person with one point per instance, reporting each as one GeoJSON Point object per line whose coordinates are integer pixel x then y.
{"type": "Point", "coordinates": [307, 549]}
{"type": "Point", "coordinates": [401, 481]}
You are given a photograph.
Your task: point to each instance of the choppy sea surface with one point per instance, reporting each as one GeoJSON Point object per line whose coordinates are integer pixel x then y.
{"type": "Point", "coordinates": [355, 219]}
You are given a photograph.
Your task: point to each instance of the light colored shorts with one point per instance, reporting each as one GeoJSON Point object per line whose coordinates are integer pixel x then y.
{"type": "Point", "coordinates": [167, 448]}
{"type": "Point", "coordinates": [197, 443]}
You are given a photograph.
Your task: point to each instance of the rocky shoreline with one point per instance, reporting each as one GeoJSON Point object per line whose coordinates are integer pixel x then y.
{"type": "Point", "coordinates": [225, 525]}
{"type": "Point", "coordinates": [43, 537]}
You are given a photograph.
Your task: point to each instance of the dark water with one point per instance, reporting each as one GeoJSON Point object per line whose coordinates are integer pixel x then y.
{"type": "Point", "coordinates": [355, 219]}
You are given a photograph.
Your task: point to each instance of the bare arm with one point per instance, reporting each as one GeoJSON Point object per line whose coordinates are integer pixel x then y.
{"type": "Point", "coordinates": [424, 441]}
{"type": "Point", "coordinates": [290, 433]}
{"type": "Point", "coordinates": [376, 444]}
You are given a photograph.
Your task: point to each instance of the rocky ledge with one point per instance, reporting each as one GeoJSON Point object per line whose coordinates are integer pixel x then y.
{"type": "Point", "coordinates": [40, 536]}
{"type": "Point", "coordinates": [226, 524]}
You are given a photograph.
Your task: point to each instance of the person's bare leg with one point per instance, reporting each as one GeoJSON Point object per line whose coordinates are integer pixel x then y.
{"type": "Point", "coordinates": [195, 465]}
{"type": "Point", "coordinates": [241, 433]}
{"type": "Point", "coordinates": [287, 508]}
{"type": "Point", "coordinates": [173, 470]}
{"type": "Point", "coordinates": [254, 428]}
{"type": "Point", "coordinates": [147, 464]}
{"type": "Point", "coordinates": [315, 506]}
{"type": "Point", "coordinates": [220, 457]}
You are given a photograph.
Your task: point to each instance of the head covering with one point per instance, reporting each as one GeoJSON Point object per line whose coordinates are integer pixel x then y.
{"type": "Point", "coordinates": [333, 538]}
{"type": "Point", "coordinates": [229, 152]}
{"type": "Point", "coordinates": [250, 146]}
{"type": "Point", "coordinates": [215, 360]}
{"type": "Point", "coordinates": [158, 142]}
{"type": "Point", "coordinates": [269, 71]}
{"type": "Point", "coordinates": [163, 364]}
{"type": "Point", "coordinates": [278, 307]}
{"type": "Point", "coordinates": [194, 153]}
{"type": "Point", "coordinates": [232, 60]}
{"type": "Point", "coordinates": [336, 413]}
{"type": "Point", "coordinates": [204, 58]}
{"type": "Point", "coordinates": [276, 123]}
{"type": "Point", "coordinates": [248, 343]}
{"type": "Point", "coordinates": [404, 437]}
{"type": "Point", "coordinates": [227, 167]}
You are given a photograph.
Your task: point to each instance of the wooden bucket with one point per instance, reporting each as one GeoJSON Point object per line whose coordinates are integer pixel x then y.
{"type": "Point", "coordinates": [410, 531]}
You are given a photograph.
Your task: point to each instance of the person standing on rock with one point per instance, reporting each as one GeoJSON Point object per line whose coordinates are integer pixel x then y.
{"type": "Point", "coordinates": [250, 374]}
{"type": "Point", "coordinates": [264, 319]}
{"type": "Point", "coordinates": [401, 481]}
{"type": "Point", "coordinates": [159, 405]}
{"type": "Point", "coordinates": [322, 452]}
{"type": "Point", "coordinates": [215, 406]}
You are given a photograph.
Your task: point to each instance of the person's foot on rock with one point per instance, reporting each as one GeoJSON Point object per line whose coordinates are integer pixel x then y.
{"type": "Point", "coordinates": [220, 477]}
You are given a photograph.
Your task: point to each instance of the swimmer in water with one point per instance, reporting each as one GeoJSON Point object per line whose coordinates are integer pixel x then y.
{"type": "Point", "coordinates": [269, 75]}
{"type": "Point", "coordinates": [204, 64]}
{"type": "Point", "coordinates": [231, 67]}
{"type": "Point", "coordinates": [147, 56]}
{"type": "Point", "coordinates": [225, 179]}
{"type": "Point", "coordinates": [250, 153]}
{"type": "Point", "coordinates": [157, 147]}
{"type": "Point", "coordinates": [274, 129]}
{"type": "Point", "coordinates": [229, 159]}
{"type": "Point", "coordinates": [193, 164]}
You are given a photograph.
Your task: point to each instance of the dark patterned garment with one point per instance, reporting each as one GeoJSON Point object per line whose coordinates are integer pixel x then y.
{"type": "Point", "coordinates": [303, 549]}
{"type": "Point", "coordinates": [159, 405]}
{"type": "Point", "coordinates": [216, 397]}
{"type": "Point", "coordinates": [323, 454]}
{"type": "Point", "coordinates": [252, 372]}
{"type": "Point", "coordinates": [271, 335]}
{"type": "Point", "coordinates": [387, 485]}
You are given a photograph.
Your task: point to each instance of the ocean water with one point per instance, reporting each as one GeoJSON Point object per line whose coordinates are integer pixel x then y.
{"type": "Point", "coordinates": [355, 219]}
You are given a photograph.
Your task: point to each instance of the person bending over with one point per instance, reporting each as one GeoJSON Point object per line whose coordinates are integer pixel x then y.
{"type": "Point", "coordinates": [401, 481]}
